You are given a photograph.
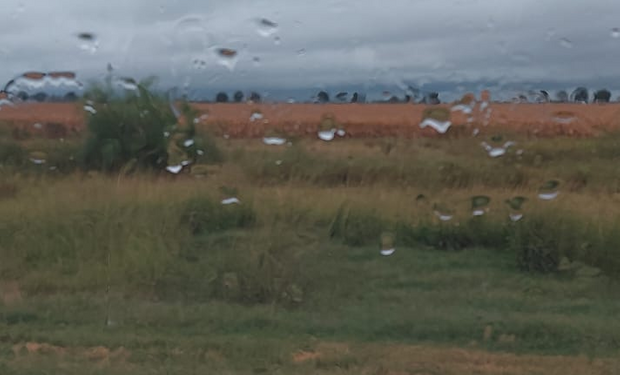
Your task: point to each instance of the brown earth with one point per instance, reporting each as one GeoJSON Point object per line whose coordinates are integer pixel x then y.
{"type": "Point", "coordinates": [359, 120]}
{"type": "Point", "coordinates": [384, 359]}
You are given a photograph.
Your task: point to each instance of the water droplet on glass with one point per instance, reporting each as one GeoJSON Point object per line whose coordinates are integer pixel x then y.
{"type": "Point", "coordinates": [277, 41]}
{"type": "Point", "coordinates": [615, 32]}
{"type": "Point", "coordinates": [128, 84]}
{"type": "Point", "coordinates": [256, 116]}
{"type": "Point", "coordinates": [256, 61]}
{"type": "Point", "coordinates": [274, 141]}
{"type": "Point", "coordinates": [188, 143]}
{"type": "Point", "coordinates": [227, 57]}
{"type": "Point", "coordinates": [301, 52]}
{"type": "Point", "coordinates": [497, 151]}
{"type": "Point", "coordinates": [4, 99]}
{"type": "Point", "coordinates": [421, 198]}
{"type": "Point", "coordinates": [266, 28]}
{"type": "Point", "coordinates": [439, 126]}
{"type": "Point", "coordinates": [479, 205]}
{"type": "Point", "coordinates": [232, 200]}
{"type": "Point", "coordinates": [442, 213]}
{"type": "Point", "coordinates": [514, 217]}
{"type": "Point", "coordinates": [199, 64]}
{"type": "Point", "coordinates": [387, 244]}
{"type": "Point", "coordinates": [327, 135]}
{"type": "Point", "coordinates": [461, 108]}
{"type": "Point", "coordinates": [564, 117]}
{"type": "Point", "coordinates": [38, 157]}
{"type": "Point", "coordinates": [90, 109]}
{"type": "Point", "coordinates": [549, 190]}
{"type": "Point", "coordinates": [174, 169]}
{"type": "Point", "coordinates": [88, 42]}
{"type": "Point", "coordinates": [566, 43]}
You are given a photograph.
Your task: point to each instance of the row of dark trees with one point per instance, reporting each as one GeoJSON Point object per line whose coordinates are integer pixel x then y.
{"type": "Point", "coordinates": [343, 97]}
{"type": "Point", "coordinates": [44, 97]}
{"type": "Point", "coordinates": [238, 97]}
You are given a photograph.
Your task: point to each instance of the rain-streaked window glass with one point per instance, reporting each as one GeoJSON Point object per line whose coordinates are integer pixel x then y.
{"type": "Point", "coordinates": [309, 187]}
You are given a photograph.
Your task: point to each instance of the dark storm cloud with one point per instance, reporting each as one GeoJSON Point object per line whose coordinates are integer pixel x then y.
{"type": "Point", "coordinates": [322, 42]}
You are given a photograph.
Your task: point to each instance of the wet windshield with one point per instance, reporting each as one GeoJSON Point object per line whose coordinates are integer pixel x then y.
{"type": "Point", "coordinates": [333, 187]}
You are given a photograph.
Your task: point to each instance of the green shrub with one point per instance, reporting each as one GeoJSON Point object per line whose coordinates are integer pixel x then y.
{"type": "Point", "coordinates": [541, 241]}
{"type": "Point", "coordinates": [357, 227]}
{"type": "Point", "coordinates": [12, 154]}
{"type": "Point", "coordinates": [202, 215]}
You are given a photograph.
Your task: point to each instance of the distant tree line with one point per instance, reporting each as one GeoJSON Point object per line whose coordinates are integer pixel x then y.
{"type": "Point", "coordinates": [237, 97]}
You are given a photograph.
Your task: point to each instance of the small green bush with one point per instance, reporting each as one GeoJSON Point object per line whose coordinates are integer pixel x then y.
{"type": "Point", "coordinates": [357, 227]}
{"type": "Point", "coordinates": [541, 241]}
{"type": "Point", "coordinates": [202, 215]}
{"type": "Point", "coordinates": [12, 154]}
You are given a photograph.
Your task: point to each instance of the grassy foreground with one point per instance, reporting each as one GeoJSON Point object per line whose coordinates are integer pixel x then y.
{"type": "Point", "coordinates": [144, 273]}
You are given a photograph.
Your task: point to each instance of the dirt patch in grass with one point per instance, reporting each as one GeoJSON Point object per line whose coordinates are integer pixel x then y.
{"type": "Point", "coordinates": [10, 292]}
{"type": "Point", "coordinates": [404, 359]}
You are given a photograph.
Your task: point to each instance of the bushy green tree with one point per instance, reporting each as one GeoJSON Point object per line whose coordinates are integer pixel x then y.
{"type": "Point", "coordinates": [127, 130]}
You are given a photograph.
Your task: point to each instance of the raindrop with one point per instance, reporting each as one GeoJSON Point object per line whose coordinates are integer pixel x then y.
{"type": "Point", "coordinates": [439, 126]}
{"type": "Point", "coordinates": [442, 213]}
{"type": "Point", "coordinates": [256, 61]}
{"type": "Point", "coordinates": [90, 109]}
{"type": "Point", "coordinates": [128, 84]}
{"type": "Point", "coordinates": [549, 190]}
{"type": "Point", "coordinates": [566, 43]}
{"type": "Point", "coordinates": [188, 143]}
{"type": "Point", "coordinates": [516, 205]}
{"type": "Point", "coordinates": [327, 135]}
{"type": "Point", "coordinates": [514, 217]}
{"type": "Point", "coordinates": [266, 28]}
{"type": "Point", "coordinates": [232, 200]}
{"type": "Point", "coordinates": [564, 117]}
{"type": "Point", "coordinates": [88, 42]}
{"type": "Point", "coordinates": [256, 116]}
{"type": "Point", "coordinates": [387, 244]}
{"type": "Point", "coordinates": [479, 205]}
{"type": "Point", "coordinates": [462, 108]}
{"type": "Point", "coordinates": [38, 157]}
{"type": "Point", "coordinates": [274, 141]}
{"type": "Point", "coordinates": [227, 57]}
{"type": "Point", "coordinates": [497, 151]}
{"type": "Point", "coordinates": [615, 32]}
{"type": "Point", "coordinates": [4, 99]}
{"type": "Point", "coordinates": [199, 64]}
{"type": "Point", "coordinates": [301, 52]}
{"type": "Point", "coordinates": [421, 198]}
{"type": "Point", "coordinates": [174, 169]}
{"type": "Point", "coordinates": [277, 41]}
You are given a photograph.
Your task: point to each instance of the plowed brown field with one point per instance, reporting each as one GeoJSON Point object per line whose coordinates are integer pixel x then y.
{"type": "Point", "coordinates": [361, 120]}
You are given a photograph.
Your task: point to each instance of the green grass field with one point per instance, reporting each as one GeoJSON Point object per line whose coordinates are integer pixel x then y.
{"type": "Point", "coordinates": [147, 273]}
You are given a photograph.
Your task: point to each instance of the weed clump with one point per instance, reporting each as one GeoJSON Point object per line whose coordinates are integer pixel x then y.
{"type": "Point", "coordinates": [202, 215]}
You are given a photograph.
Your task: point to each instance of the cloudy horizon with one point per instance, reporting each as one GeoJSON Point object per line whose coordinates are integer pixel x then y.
{"type": "Point", "coordinates": [319, 44]}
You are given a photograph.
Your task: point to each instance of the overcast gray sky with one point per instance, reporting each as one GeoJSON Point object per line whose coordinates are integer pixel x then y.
{"type": "Point", "coordinates": [321, 42]}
